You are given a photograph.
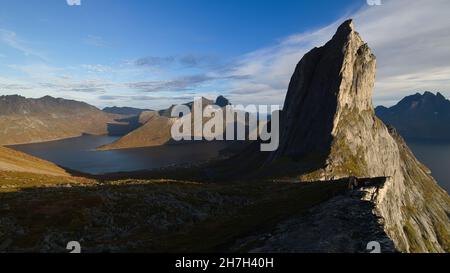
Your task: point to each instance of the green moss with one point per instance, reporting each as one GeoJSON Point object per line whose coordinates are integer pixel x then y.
{"type": "Point", "coordinates": [412, 236]}
{"type": "Point", "coordinates": [443, 236]}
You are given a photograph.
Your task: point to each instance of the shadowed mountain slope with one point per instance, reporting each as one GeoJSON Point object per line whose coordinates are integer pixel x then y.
{"type": "Point", "coordinates": [329, 131]}
{"type": "Point", "coordinates": [419, 116]}
{"type": "Point", "coordinates": [124, 110]}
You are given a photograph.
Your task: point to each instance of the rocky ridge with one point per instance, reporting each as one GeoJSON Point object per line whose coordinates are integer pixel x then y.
{"type": "Point", "coordinates": [329, 131]}
{"type": "Point", "coordinates": [26, 120]}
{"type": "Point", "coordinates": [419, 116]}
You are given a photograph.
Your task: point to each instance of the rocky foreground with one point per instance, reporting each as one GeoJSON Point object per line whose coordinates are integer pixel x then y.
{"type": "Point", "coordinates": [43, 213]}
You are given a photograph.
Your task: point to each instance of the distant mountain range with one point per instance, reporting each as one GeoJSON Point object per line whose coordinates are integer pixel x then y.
{"type": "Point", "coordinates": [26, 120]}
{"type": "Point", "coordinates": [419, 116]}
{"type": "Point", "coordinates": [124, 110]}
{"type": "Point", "coordinates": [155, 127]}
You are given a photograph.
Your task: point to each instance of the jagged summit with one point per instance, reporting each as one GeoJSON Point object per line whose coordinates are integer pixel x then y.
{"type": "Point", "coordinates": [221, 101]}
{"type": "Point", "coordinates": [419, 116]}
{"type": "Point", "coordinates": [327, 82]}
{"type": "Point", "coordinates": [328, 131]}
{"type": "Point", "coordinates": [124, 110]}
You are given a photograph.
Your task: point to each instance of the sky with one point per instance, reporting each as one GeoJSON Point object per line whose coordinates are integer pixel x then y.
{"type": "Point", "coordinates": [151, 54]}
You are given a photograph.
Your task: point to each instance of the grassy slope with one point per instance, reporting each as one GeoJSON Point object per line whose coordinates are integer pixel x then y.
{"type": "Point", "coordinates": [11, 160]}
{"type": "Point", "coordinates": [43, 213]}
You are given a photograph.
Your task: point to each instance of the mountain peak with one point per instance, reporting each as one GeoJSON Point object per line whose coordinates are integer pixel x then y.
{"type": "Point", "coordinates": [419, 116]}
{"type": "Point", "coordinates": [426, 98]}
{"type": "Point", "coordinates": [11, 97]}
{"type": "Point", "coordinates": [124, 110]}
{"type": "Point", "coordinates": [47, 97]}
{"type": "Point", "coordinates": [346, 27]}
{"type": "Point", "coordinates": [328, 131]}
{"type": "Point", "coordinates": [328, 82]}
{"type": "Point", "coordinates": [48, 118]}
{"type": "Point", "coordinates": [222, 101]}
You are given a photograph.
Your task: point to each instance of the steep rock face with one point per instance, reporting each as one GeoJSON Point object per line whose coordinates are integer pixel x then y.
{"type": "Point", "coordinates": [328, 123]}
{"type": "Point", "coordinates": [331, 86]}
{"type": "Point", "coordinates": [24, 120]}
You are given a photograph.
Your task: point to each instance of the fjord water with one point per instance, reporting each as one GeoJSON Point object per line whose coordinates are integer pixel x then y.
{"type": "Point", "coordinates": [436, 156]}
{"type": "Point", "coordinates": [79, 154]}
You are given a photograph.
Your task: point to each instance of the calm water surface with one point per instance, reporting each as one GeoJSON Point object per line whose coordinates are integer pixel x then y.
{"type": "Point", "coordinates": [436, 156]}
{"type": "Point", "coordinates": [80, 154]}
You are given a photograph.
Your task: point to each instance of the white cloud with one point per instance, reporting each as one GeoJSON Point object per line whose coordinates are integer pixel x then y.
{"type": "Point", "coordinates": [97, 68]}
{"type": "Point", "coordinates": [11, 39]}
{"type": "Point", "coordinates": [410, 39]}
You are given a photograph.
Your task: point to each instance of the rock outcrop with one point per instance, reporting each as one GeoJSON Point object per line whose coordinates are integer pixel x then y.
{"type": "Point", "coordinates": [329, 131]}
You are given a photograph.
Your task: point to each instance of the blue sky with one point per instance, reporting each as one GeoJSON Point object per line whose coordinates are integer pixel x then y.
{"type": "Point", "coordinates": [149, 53]}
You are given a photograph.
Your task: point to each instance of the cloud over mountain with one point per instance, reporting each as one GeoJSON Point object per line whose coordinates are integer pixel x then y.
{"type": "Point", "coordinates": [409, 38]}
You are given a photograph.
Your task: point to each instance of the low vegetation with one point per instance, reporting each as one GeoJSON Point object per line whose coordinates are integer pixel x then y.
{"type": "Point", "coordinates": [41, 213]}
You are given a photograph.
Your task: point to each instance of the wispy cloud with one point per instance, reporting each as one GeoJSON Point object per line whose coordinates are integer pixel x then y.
{"type": "Point", "coordinates": [409, 38]}
{"type": "Point", "coordinates": [95, 41]}
{"type": "Point", "coordinates": [44, 79]}
{"type": "Point", "coordinates": [11, 39]}
{"type": "Point", "coordinates": [183, 61]}
{"type": "Point", "coordinates": [87, 86]}
{"type": "Point", "coordinates": [181, 83]}
{"type": "Point", "coordinates": [97, 68]}
{"type": "Point", "coordinates": [154, 61]}
{"type": "Point", "coordinates": [8, 85]}
{"type": "Point", "coordinates": [142, 98]}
